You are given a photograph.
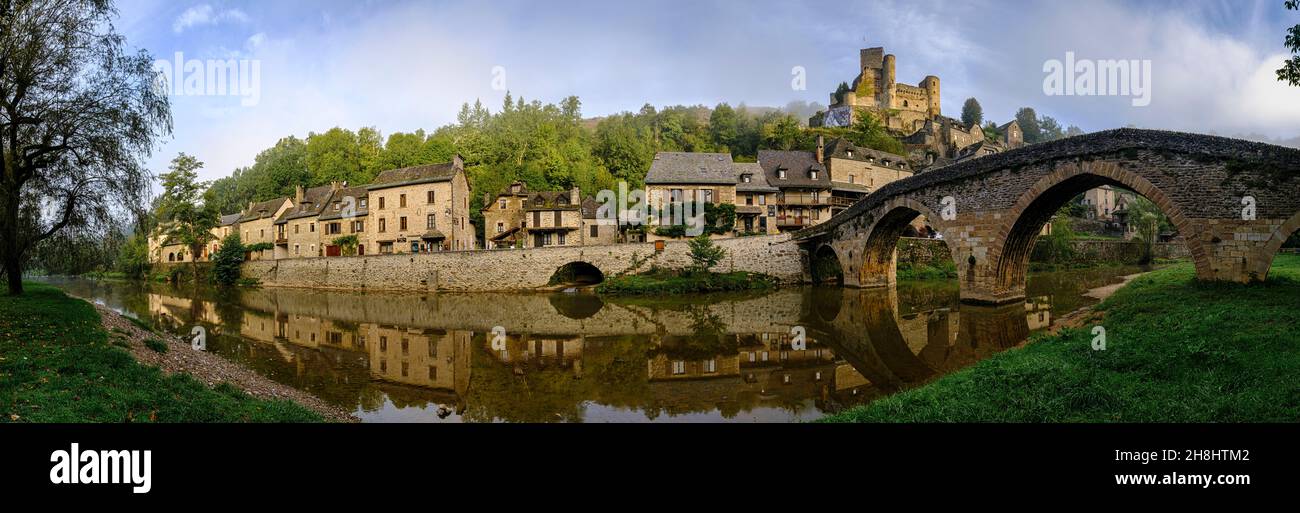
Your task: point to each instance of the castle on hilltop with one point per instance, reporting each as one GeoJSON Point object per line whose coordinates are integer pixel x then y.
{"type": "Point", "coordinates": [901, 107]}
{"type": "Point", "coordinates": [911, 113]}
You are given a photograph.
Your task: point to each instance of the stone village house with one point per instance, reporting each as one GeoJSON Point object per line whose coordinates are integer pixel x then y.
{"type": "Point", "coordinates": [519, 218]}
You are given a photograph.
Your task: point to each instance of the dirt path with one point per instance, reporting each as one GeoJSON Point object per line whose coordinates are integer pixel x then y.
{"type": "Point", "coordinates": [210, 368]}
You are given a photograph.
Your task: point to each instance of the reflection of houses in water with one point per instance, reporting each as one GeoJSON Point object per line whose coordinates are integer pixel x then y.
{"type": "Point", "coordinates": [420, 357]}
{"type": "Point", "coordinates": [563, 351]}
{"type": "Point", "coordinates": [1038, 311]}
{"type": "Point", "coordinates": [174, 311]}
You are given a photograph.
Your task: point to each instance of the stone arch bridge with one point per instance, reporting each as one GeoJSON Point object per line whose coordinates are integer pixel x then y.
{"type": "Point", "coordinates": [1232, 202]}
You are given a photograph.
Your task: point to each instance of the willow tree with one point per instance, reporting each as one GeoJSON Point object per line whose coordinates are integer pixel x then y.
{"type": "Point", "coordinates": [79, 114]}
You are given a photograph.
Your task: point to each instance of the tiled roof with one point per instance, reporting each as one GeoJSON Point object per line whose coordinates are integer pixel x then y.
{"type": "Point", "coordinates": [590, 207]}
{"type": "Point", "coordinates": [758, 179]}
{"type": "Point", "coordinates": [356, 193]}
{"type": "Point", "coordinates": [414, 175]}
{"type": "Point", "coordinates": [549, 201]}
{"type": "Point", "coordinates": [230, 219]}
{"type": "Point", "coordinates": [840, 148]}
{"type": "Point", "coordinates": [797, 166]}
{"type": "Point", "coordinates": [688, 168]}
{"type": "Point", "coordinates": [313, 201]}
{"type": "Point", "coordinates": [269, 206]}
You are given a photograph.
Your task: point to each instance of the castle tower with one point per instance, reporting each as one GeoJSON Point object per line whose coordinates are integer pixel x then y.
{"type": "Point", "coordinates": [886, 93]}
{"type": "Point", "coordinates": [931, 86]}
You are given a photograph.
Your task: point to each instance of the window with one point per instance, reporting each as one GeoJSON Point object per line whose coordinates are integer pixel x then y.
{"type": "Point", "coordinates": [433, 373]}
{"type": "Point", "coordinates": [381, 203]}
{"type": "Point", "coordinates": [710, 366]}
{"type": "Point", "coordinates": [593, 230]}
{"type": "Point", "coordinates": [429, 221]}
{"type": "Point", "coordinates": [560, 238]}
{"type": "Point", "coordinates": [405, 368]}
{"type": "Point", "coordinates": [311, 227]}
{"type": "Point", "coordinates": [557, 218]}
{"type": "Point", "coordinates": [382, 227]}
{"type": "Point", "coordinates": [361, 226]}
{"type": "Point", "coordinates": [707, 194]}
{"type": "Point", "coordinates": [851, 179]}
{"type": "Point", "coordinates": [749, 199]}
{"type": "Point", "coordinates": [406, 347]}
{"type": "Point", "coordinates": [401, 224]}
{"type": "Point", "coordinates": [401, 201]}
{"type": "Point", "coordinates": [500, 204]}
{"type": "Point", "coordinates": [679, 367]}
{"type": "Point", "coordinates": [780, 174]}
{"type": "Point", "coordinates": [295, 228]}
{"type": "Point", "coordinates": [501, 227]}
{"type": "Point", "coordinates": [762, 199]}
{"type": "Point", "coordinates": [428, 197]}
{"type": "Point", "coordinates": [363, 203]}
{"type": "Point", "coordinates": [537, 219]}
{"type": "Point", "coordinates": [295, 249]}
{"type": "Point", "coordinates": [745, 178]}
{"type": "Point", "coordinates": [816, 213]}
{"type": "Point", "coordinates": [812, 174]}
{"type": "Point", "coordinates": [385, 248]}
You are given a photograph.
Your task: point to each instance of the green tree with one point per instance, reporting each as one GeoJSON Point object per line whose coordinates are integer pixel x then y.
{"type": "Point", "coordinates": [781, 133]}
{"type": "Point", "coordinates": [1049, 129]}
{"type": "Point", "coordinates": [227, 260]}
{"type": "Point", "coordinates": [133, 258]}
{"type": "Point", "coordinates": [1148, 221]}
{"type": "Point", "coordinates": [1028, 121]}
{"type": "Point", "coordinates": [724, 126]}
{"type": "Point", "coordinates": [347, 244]}
{"type": "Point", "coordinates": [335, 156]}
{"type": "Point", "coordinates": [182, 217]}
{"type": "Point", "coordinates": [78, 116]}
{"type": "Point", "coordinates": [972, 114]}
{"type": "Point", "coordinates": [867, 130]}
{"type": "Point", "coordinates": [1290, 70]}
{"type": "Point", "coordinates": [704, 253]}
{"type": "Point", "coordinates": [839, 92]}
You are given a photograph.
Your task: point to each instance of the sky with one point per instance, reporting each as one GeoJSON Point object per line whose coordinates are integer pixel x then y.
{"type": "Point", "coordinates": [401, 66]}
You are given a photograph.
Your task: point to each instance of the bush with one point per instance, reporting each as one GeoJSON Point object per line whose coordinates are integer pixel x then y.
{"type": "Point", "coordinates": [226, 262]}
{"type": "Point", "coordinates": [157, 345]}
{"type": "Point", "coordinates": [704, 253]}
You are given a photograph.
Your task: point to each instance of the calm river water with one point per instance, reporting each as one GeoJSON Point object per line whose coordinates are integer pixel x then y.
{"type": "Point", "coordinates": [794, 354]}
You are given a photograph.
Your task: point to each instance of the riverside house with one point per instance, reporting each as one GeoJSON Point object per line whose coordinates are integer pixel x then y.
{"type": "Point", "coordinates": [856, 171]}
{"type": "Point", "coordinates": [679, 177]}
{"type": "Point", "coordinates": [804, 197]}
{"type": "Point", "coordinates": [345, 215]}
{"type": "Point", "coordinates": [534, 219]}
{"type": "Point", "coordinates": [420, 209]}
{"type": "Point", "coordinates": [755, 201]}
{"type": "Point", "coordinates": [257, 226]}
{"type": "Point", "coordinates": [163, 249]}
{"type": "Point", "coordinates": [296, 234]}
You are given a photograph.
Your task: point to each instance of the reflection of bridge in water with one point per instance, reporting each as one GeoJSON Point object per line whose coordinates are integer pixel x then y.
{"type": "Point", "coordinates": [732, 355]}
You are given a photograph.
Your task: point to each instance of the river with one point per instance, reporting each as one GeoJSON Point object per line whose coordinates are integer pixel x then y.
{"type": "Point", "coordinates": [789, 355]}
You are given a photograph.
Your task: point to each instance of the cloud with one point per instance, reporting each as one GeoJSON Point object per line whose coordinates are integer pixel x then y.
{"type": "Point", "coordinates": [204, 14]}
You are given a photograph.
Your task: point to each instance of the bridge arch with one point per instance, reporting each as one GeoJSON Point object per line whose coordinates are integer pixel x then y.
{"type": "Point", "coordinates": [878, 266]}
{"type": "Point", "coordinates": [1015, 239]}
{"type": "Point", "coordinates": [577, 272]}
{"type": "Point", "coordinates": [1264, 261]}
{"type": "Point", "coordinates": [826, 266]}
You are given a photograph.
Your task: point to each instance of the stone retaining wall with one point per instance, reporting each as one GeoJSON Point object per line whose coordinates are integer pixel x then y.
{"type": "Point", "coordinates": [515, 269]}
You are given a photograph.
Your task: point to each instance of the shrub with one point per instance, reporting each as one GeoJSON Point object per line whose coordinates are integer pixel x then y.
{"type": "Point", "coordinates": [704, 253]}
{"type": "Point", "coordinates": [226, 262]}
{"type": "Point", "coordinates": [157, 345]}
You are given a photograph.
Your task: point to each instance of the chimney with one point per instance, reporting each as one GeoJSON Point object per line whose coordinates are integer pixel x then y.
{"type": "Point", "coordinates": [297, 194]}
{"type": "Point", "coordinates": [575, 196]}
{"type": "Point", "coordinates": [487, 199]}
{"type": "Point", "coordinates": [821, 149]}
{"type": "Point", "coordinates": [458, 162]}
{"type": "Point", "coordinates": [250, 206]}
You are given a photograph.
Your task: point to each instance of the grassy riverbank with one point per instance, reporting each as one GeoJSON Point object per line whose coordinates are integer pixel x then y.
{"type": "Point", "coordinates": [681, 282]}
{"type": "Point", "coordinates": [59, 364]}
{"type": "Point", "coordinates": [1176, 351]}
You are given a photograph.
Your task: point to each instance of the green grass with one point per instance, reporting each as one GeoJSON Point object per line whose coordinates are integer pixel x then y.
{"type": "Point", "coordinates": [672, 282]}
{"type": "Point", "coordinates": [922, 272]}
{"type": "Point", "coordinates": [58, 364]}
{"type": "Point", "coordinates": [1177, 351]}
{"type": "Point", "coordinates": [156, 345]}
